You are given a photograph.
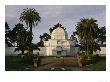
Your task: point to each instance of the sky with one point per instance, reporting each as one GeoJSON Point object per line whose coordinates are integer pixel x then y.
{"type": "Point", "coordinates": [67, 15]}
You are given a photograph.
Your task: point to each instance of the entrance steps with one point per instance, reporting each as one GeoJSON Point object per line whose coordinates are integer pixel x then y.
{"type": "Point", "coordinates": [61, 61]}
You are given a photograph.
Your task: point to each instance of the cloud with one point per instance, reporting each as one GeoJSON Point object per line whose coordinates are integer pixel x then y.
{"type": "Point", "coordinates": [67, 15]}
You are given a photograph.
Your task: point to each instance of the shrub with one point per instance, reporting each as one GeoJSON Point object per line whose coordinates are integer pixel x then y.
{"type": "Point", "coordinates": [88, 59]}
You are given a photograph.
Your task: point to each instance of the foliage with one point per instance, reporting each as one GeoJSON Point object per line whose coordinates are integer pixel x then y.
{"type": "Point", "coordinates": [21, 37]}
{"type": "Point", "coordinates": [102, 35]}
{"type": "Point", "coordinates": [74, 39]}
{"type": "Point", "coordinates": [88, 59]}
{"type": "Point", "coordinates": [34, 46]}
{"type": "Point", "coordinates": [8, 35]}
{"type": "Point", "coordinates": [87, 32]}
{"type": "Point", "coordinates": [45, 37]}
{"type": "Point", "coordinates": [56, 26]}
{"type": "Point", "coordinates": [40, 44]}
{"type": "Point", "coordinates": [98, 66]}
{"type": "Point", "coordinates": [31, 17]}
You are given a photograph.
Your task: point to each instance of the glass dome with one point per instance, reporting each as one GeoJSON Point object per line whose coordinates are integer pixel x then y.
{"type": "Point", "coordinates": [59, 33]}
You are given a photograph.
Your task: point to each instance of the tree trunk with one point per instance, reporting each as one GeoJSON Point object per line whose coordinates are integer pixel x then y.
{"type": "Point", "coordinates": [85, 46]}
{"type": "Point", "coordinates": [102, 42]}
{"type": "Point", "coordinates": [28, 51]}
{"type": "Point", "coordinates": [29, 48]}
{"type": "Point", "coordinates": [22, 52]}
{"type": "Point", "coordinates": [87, 49]}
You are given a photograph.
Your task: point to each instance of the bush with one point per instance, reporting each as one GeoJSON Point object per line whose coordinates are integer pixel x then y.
{"type": "Point", "coordinates": [88, 59]}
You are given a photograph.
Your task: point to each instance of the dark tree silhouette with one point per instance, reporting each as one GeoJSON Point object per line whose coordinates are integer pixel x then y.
{"type": "Point", "coordinates": [56, 26]}
{"type": "Point", "coordinates": [20, 37]}
{"type": "Point", "coordinates": [86, 30]}
{"type": "Point", "coordinates": [8, 35]}
{"type": "Point", "coordinates": [31, 17]}
{"type": "Point", "coordinates": [102, 35]}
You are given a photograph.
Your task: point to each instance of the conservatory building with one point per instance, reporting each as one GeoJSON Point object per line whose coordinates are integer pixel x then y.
{"type": "Point", "coordinates": [59, 44]}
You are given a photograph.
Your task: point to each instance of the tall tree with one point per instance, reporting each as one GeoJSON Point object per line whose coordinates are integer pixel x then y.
{"type": "Point", "coordinates": [31, 17]}
{"type": "Point", "coordinates": [86, 30]}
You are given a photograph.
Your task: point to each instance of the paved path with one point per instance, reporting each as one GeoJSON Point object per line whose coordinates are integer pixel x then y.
{"type": "Point", "coordinates": [67, 68]}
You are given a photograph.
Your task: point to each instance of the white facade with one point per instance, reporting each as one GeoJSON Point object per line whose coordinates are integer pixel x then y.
{"type": "Point", "coordinates": [59, 44]}
{"type": "Point", "coordinates": [10, 51]}
{"type": "Point", "coordinates": [101, 52]}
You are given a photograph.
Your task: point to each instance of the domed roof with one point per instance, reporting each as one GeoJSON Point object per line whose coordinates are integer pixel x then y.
{"type": "Point", "coordinates": [59, 33]}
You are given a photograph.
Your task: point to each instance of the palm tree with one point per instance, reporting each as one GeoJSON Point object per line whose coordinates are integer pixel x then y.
{"type": "Point", "coordinates": [31, 17]}
{"type": "Point", "coordinates": [86, 30]}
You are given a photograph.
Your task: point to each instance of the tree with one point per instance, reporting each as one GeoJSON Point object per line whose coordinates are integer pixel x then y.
{"type": "Point", "coordinates": [95, 46]}
{"type": "Point", "coordinates": [102, 35]}
{"type": "Point", "coordinates": [34, 46]}
{"type": "Point", "coordinates": [45, 37]}
{"type": "Point", "coordinates": [6, 27]}
{"type": "Point", "coordinates": [56, 26]}
{"type": "Point", "coordinates": [31, 17]}
{"type": "Point", "coordinates": [20, 37]}
{"type": "Point", "coordinates": [8, 35]}
{"type": "Point", "coordinates": [73, 38]}
{"type": "Point", "coordinates": [86, 30]}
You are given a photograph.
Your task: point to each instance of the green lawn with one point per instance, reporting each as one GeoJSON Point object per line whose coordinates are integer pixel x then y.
{"type": "Point", "coordinates": [98, 66]}
{"type": "Point", "coordinates": [15, 63]}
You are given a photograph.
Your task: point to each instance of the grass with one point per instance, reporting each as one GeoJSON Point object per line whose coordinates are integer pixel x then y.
{"type": "Point", "coordinates": [98, 66]}
{"type": "Point", "coordinates": [15, 63]}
